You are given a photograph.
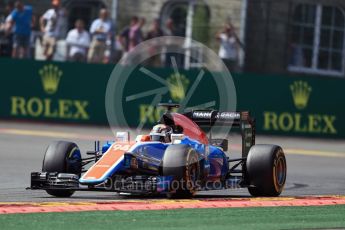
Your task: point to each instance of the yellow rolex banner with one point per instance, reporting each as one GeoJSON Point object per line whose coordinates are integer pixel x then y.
{"type": "Point", "coordinates": [58, 92]}
{"type": "Point", "coordinates": [290, 105]}
{"type": "Point", "coordinates": [75, 93]}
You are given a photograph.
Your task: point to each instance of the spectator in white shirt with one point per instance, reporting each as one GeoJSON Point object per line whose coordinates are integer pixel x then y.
{"type": "Point", "coordinates": [78, 42]}
{"type": "Point", "coordinates": [229, 47]}
{"type": "Point", "coordinates": [101, 32]}
{"type": "Point", "coordinates": [50, 24]}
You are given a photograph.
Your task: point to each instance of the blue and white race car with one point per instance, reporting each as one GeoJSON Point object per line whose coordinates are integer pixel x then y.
{"type": "Point", "coordinates": [176, 158]}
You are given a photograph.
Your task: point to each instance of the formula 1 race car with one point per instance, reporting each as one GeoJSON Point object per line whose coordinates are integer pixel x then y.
{"type": "Point", "coordinates": [176, 158]}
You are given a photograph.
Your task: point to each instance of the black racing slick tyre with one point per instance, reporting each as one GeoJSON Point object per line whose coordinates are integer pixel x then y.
{"type": "Point", "coordinates": [181, 162]}
{"type": "Point", "coordinates": [266, 170]}
{"type": "Point", "coordinates": [62, 157]}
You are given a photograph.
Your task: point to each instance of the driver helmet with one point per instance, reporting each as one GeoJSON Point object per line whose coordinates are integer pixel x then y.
{"type": "Point", "coordinates": [161, 133]}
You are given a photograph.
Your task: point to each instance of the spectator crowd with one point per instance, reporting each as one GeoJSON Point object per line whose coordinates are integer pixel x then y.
{"type": "Point", "coordinates": [20, 30]}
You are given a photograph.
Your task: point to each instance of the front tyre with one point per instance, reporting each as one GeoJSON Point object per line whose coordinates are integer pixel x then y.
{"type": "Point", "coordinates": [182, 162]}
{"type": "Point", "coordinates": [62, 157]}
{"type": "Point", "coordinates": [266, 170]}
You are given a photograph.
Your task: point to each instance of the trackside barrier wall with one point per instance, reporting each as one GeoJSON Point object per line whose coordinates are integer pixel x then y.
{"type": "Point", "coordinates": [75, 93]}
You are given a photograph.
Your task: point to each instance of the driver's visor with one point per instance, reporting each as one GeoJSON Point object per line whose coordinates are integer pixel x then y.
{"type": "Point", "coordinates": [157, 137]}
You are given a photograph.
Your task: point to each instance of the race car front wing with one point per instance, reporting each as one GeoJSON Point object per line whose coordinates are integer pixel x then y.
{"type": "Point", "coordinates": [40, 180]}
{"type": "Point", "coordinates": [139, 184]}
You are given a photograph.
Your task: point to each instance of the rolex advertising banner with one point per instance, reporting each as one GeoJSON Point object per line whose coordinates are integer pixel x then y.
{"type": "Point", "coordinates": [288, 105]}
{"type": "Point", "coordinates": [55, 92]}
{"type": "Point", "coordinates": [76, 93]}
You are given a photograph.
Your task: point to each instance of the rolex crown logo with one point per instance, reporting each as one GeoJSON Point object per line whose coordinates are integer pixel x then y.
{"type": "Point", "coordinates": [178, 85]}
{"type": "Point", "coordinates": [300, 93]}
{"type": "Point", "coordinates": [50, 76]}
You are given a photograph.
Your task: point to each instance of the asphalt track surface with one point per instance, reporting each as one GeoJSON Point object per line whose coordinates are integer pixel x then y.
{"type": "Point", "coordinates": [315, 166]}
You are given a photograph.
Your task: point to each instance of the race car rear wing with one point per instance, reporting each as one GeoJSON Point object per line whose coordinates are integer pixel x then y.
{"type": "Point", "coordinates": [242, 120]}
{"type": "Point", "coordinates": [213, 117]}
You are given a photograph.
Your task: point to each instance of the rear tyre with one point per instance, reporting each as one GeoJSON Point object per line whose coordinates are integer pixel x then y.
{"type": "Point", "coordinates": [182, 162]}
{"type": "Point", "coordinates": [266, 170]}
{"type": "Point", "coordinates": [62, 157]}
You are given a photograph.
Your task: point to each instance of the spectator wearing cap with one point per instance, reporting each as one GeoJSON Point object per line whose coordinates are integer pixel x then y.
{"type": "Point", "coordinates": [78, 42]}
{"type": "Point", "coordinates": [21, 21]}
{"type": "Point", "coordinates": [49, 24]}
{"type": "Point", "coordinates": [101, 31]}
